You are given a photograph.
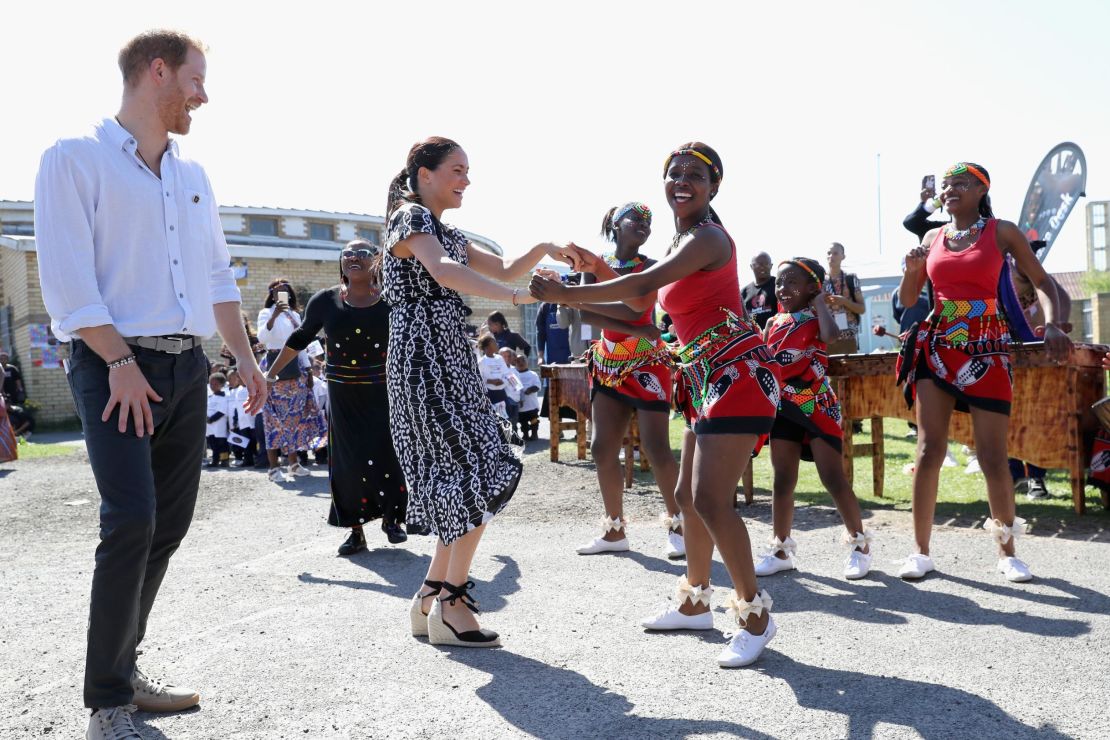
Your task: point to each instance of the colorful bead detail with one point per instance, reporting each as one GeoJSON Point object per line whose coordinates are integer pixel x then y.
{"type": "Point", "coordinates": [619, 264]}
{"type": "Point", "coordinates": [694, 359]}
{"type": "Point", "coordinates": [627, 208]}
{"type": "Point", "coordinates": [612, 362]}
{"type": "Point", "coordinates": [951, 233]}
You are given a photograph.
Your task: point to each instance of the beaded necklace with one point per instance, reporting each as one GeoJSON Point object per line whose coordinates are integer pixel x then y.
{"type": "Point", "coordinates": [951, 233]}
{"type": "Point", "coordinates": [678, 237]}
{"type": "Point", "coordinates": [619, 264]}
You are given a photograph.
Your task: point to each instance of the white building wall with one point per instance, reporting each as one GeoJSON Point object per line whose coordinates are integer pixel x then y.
{"type": "Point", "coordinates": [293, 226]}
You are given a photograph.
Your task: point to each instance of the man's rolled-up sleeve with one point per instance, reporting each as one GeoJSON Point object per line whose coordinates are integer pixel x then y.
{"type": "Point", "coordinates": [222, 287]}
{"type": "Point", "coordinates": [64, 207]}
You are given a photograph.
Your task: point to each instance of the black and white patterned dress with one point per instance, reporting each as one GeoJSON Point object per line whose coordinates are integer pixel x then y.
{"type": "Point", "coordinates": [459, 468]}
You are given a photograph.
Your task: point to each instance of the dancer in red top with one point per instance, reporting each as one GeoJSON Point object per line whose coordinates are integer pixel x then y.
{"type": "Point", "coordinates": [727, 388]}
{"type": "Point", "coordinates": [958, 358]}
{"type": "Point", "coordinates": [808, 422]}
{"type": "Point", "coordinates": [630, 368]}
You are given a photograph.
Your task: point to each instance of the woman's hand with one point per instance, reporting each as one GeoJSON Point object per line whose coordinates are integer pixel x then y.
{"type": "Point", "coordinates": [587, 260]}
{"type": "Point", "coordinates": [545, 289]}
{"type": "Point", "coordinates": [1058, 344]}
{"type": "Point", "coordinates": [915, 259]}
{"type": "Point", "coordinates": [566, 253]}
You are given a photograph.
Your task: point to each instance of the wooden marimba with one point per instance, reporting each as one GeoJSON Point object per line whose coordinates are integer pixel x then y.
{"type": "Point", "coordinates": [1051, 422]}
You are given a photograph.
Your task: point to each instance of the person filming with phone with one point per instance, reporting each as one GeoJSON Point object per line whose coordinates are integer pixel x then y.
{"type": "Point", "coordinates": [290, 417]}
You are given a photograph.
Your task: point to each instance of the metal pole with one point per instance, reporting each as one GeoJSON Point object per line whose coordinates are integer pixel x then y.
{"type": "Point", "coordinates": [879, 196]}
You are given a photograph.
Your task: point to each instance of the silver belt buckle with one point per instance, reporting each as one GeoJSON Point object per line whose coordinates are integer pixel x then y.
{"type": "Point", "coordinates": [170, 345]}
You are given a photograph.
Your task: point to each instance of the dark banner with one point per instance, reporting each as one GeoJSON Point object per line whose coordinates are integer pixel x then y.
{"type": "Point", "coordinates": [1056, 187]}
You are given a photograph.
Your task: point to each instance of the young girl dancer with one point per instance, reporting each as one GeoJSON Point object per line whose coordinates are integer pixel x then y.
{"type": "Point", "coordinates": [726, 387]}
{"type": "Point", "coordinates": [808, 422]}
{"type": "Point", "coordinates": [459, 469]}
{"type": "Point", "coordinates": [958, 358]}
{"type": "Point", "coordinates": [630, 368]}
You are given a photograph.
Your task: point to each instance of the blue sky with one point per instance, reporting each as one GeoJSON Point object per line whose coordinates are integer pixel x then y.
{"type": "Point", "coordinates": [568, 108]}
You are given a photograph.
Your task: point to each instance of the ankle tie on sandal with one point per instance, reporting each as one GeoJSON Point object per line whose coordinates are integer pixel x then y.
{"type": "Point", "coordinates": [672, 523]}
{"type": "Point", "coordinates": [613, 525]}
{"type": "Point", "coordinates": [787, 546]}
{"type": "Point", "coordinates": [1002, 533]}
{"type": "Point", "coordinates": [695, 594]}
{"type": "Point", "coordinates": [460, 593]}
{"type": "Point", "coordinates": [859, 540]}
{"type": "Point", "coordinates": [740, 610]}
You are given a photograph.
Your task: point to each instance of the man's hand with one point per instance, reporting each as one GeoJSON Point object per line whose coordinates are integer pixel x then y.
{"type": "Point", "coordinates": [255, 383]}
{"type": "Point", "coordinates": [131, 392]}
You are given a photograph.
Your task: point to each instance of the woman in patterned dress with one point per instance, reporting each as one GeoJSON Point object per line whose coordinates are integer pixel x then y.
{"type": "Point", "coordinates": [958, 359]}
{"type": "Point", "coordinates": [458, 466]}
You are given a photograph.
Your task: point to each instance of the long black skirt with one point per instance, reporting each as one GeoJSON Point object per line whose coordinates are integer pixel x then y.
{"type": "Point", "coordinates": [366, 479]}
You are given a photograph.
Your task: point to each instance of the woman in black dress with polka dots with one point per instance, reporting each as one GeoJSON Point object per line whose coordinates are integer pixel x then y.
{"type": "Point", "coordinates": [366, 479]}
{"type": "Point", "coordinates": [459, 468]}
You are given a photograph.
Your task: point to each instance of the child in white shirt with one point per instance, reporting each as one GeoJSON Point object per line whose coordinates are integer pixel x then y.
{"type": "Point", "coordinates": [217, 426]}
{"type": "Point", "coordinates": [241, 422]}
{"type": "Point", "coordinates": [494, 373]}
{"type": "Point", "coordinates": [512, 386]}
{"type": "Point", "coordinates": [529, 415]}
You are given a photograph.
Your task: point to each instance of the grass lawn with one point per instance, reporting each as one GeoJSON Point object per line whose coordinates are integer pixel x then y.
{"type": "Point", "coordinates": [961, 496]}
{"type": "Point", "coordinates": [31, 450]}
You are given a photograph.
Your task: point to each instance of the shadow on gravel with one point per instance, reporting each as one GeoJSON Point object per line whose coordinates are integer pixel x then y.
{"type": "Point", "coordinates": [534, 697]}
{"type": "Point", "coordinates": [1072, 598]}
{"type": "Point", "coordinates": [150, 732]}
{"type": "Point", "coordinates": [403, 571]}
{"type": "Point", "coordinates": [884, 599]}
{"type": "Point", "coordinates": [932, 710]}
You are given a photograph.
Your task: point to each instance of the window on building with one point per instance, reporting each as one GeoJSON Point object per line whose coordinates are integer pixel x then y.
{"type": "Point", "coordinates": [321, 232]}
{"type": "Point", "coordinates": [369, 234]}
{"type": "Point", "coordinates": [1098, 214]}
{"type": "Point", "coordinates": [1088, 331]}
{"type": "Point", "coordinates": [263, 226]}
{"type": "Point", "coordinates": [1098, 249]}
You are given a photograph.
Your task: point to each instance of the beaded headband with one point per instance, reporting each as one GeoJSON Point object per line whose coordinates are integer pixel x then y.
{"type": "Point", "coordinates": [693, 153]}
{"type": "Point", "coordinates": [804, 266]}
{"type": "Point", "coordinates": [627, 208]}
{"type": "Point", "coordinates": [963, 168]}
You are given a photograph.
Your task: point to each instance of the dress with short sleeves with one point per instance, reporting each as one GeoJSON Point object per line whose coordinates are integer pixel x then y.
{"type": "Point", "coordinates": [458, 466]}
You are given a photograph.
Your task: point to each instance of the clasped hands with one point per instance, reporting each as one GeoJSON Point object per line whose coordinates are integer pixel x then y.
{"type": "Point", "coordinates": [546, 285]}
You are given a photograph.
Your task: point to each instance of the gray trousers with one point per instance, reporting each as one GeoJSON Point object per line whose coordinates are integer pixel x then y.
{"type": "Point", "coordinates": [148, 488]}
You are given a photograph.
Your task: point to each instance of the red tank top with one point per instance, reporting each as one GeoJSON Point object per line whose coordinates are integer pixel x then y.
{"type": "Point", "coordinates": [694, 303]}
{"type": "Point", "coordinates": [967, 275]}
{"type": "Point", "coordinates": [645, 318]}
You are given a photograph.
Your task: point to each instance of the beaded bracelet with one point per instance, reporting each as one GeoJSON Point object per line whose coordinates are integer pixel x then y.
{"type": "Point", "coordinates": [125, 360]}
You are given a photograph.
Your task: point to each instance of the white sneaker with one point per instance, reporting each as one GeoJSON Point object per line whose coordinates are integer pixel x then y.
{"type": "Point", "coordinates": [675, 547]}
{"type": "Point", "coordinates": [769, 563]}
{"type": "Point", "coordinates": [949, 460]}
{"type": "Point", "coordinates": [277, 476]}
{"type": "Point", "coordinates": [744, 647]}
{"type": "Point", "coordinates": [857, 565]}
{"type": "Point", "coordinates": [1015, 570]}
{"type": "Point", "coordinates": [113, 723]}
{"type": "Point", "coordinates": [298, 470]}
{"type": "Point", "coordinates": [670, 618]}
{"type": "Point", "coordinates": [152, 695]}
{"type": "Point", "coordinates": [237, 463]}
{"type": "Point", "coordinates": [916, 566]}
{"type": "Point", "coordinates": [600, 544]}
{"type": "Point", "coordinates": [973, 466]}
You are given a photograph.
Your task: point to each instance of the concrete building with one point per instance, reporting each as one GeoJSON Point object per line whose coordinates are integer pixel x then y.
{"type": "Point", "coordinates": [1098, 234]}
{"type": "Point", "coordinates": [265, 243]}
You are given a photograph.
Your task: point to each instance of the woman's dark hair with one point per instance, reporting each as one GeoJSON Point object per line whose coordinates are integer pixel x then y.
{"type": "Point", "coordinates": [270, 293]}
{"type": "Point", "coordinates": [499, 318]}
{"type": "Point", "coordinates": [375, 263]}
{"type": "Point", "coordinates": [607, 229]}
{"type": "Point", "coordinates": [430, 154]}
{"type": "Point", "coordinates": [813, 265]}
{"type": "Point", "coordinates": [716, 172]}
{"type": "Point", "coordinates": [985, 209]}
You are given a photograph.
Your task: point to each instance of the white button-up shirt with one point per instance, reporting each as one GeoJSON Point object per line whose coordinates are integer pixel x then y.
{"type": "Point", "coordinates": [118, 246]}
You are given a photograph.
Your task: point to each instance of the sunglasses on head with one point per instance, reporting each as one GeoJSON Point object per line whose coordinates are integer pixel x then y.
{"type": "Point", "coordinates": [359, 253]}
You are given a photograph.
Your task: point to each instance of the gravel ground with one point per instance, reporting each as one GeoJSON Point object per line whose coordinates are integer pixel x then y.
{"type": "Point", "coordinates": [285, 640]}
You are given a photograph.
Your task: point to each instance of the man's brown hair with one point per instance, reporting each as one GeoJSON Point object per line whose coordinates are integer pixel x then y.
{"type": "Point", "coordinates": [169, 46]}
